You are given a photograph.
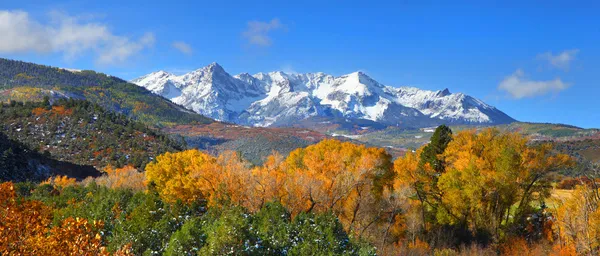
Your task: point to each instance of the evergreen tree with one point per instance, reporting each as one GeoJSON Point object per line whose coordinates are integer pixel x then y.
{"type": "Point", "coordinates": [439, 141]}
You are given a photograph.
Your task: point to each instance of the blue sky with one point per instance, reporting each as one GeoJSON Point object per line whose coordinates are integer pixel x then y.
{"type": "Point", "coordinates": [536, 61]}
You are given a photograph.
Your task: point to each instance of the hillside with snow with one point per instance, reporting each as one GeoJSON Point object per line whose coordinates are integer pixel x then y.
{"type": "Point", "coordinates": [282, 99]}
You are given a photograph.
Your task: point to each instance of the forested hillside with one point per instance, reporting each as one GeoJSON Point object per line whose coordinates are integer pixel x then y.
{"type": "Point", "coordinates": [84, 133]}
{"type": "Point", "coordinates": [20, 163]}
{"type": "Point", "coordinates": [27, 81]}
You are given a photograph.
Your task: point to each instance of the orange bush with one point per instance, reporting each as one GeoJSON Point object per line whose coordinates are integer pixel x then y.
{"type": "Point", "coordinates": [61, 110]}
{"type": "Point", "coordinates": [25, 229]}
{"type": "Point", "coordinates": [20, 222]}
{"type": "Point", "coordinates": [60, 181]}
{"type": "Point", "coordinates": [126, 177]}
{"type": "Point", "coordinates": [514, 247]}
{"type": "Point", "coordinates": [563, 250]}
{"type": "Point", "coordinates": [74, 236]}
{"type": "Point", "coordinates": [39, 111]}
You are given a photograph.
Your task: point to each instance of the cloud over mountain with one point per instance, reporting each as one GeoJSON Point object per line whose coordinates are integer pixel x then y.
{"type": "Point", "coordinates": [258, 33]}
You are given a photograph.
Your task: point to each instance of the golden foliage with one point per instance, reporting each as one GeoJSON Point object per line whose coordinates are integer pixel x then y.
{"type": "Point", "coordinates": [25, 229]}
{"type": "Point", "coordinates": [341, 177]}
{"type": "Point", "coordinates": [187, 176]}
{"type": "Point", "coordinates": [578, 220]}
{"type": "Point", "coordinates": [126, 250]}
{"type": "Point", "coordinates": [419, 246]}
{"type": "Point", "coordinates": [39, 111]}
{"type": "Point", "coordinates": [192, 176]}
{"type": "Point", "coordinates": [344, 178]}
{"type": "Point", "coordinates": [61, 111]}
{"type": "Point", "coordinates": [268, 181]}
{"type": "Point", "coordinates": [125, 177]}
{"type": "Point", "coordinates": [75, 236]}
{"type": "Point", "coordinates": [60, 181]}
{"type": "Point", "coordinates": [20, 222]}
{"type": "Point", "coordinates": [488, 176]}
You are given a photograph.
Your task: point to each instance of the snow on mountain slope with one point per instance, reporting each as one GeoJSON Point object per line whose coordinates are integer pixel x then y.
{"type": "Point", "coordinates": [281, 99]}
{"type": "Point", "coordinates": [209, 91]}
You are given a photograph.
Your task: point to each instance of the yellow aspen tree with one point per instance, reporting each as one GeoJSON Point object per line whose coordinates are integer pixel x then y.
{"type": "Point", "coordinates": [187, 176]}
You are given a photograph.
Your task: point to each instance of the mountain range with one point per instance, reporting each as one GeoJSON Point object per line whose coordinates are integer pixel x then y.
{"type": "Point", "coordinates": [282, 99]}
{"type": "Point", "coordinates": [89, 119]}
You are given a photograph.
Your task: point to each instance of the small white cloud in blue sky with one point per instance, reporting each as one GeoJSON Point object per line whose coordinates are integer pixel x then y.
{"type": "Point", "coordinates": [518, 86]}
{"type": "Point", "coordinates": [561, 60]}
{"type": "Point", "coordinates": [67, 35]}
{"type": "Point", "coordinates": [259, 33]}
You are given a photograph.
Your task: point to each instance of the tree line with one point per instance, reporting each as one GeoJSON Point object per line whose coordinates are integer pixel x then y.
{"type": "Point", "coordinates": [469, 193]}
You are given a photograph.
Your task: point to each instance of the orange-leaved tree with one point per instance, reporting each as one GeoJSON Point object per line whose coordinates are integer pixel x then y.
{"type": "Point", "coordinates": [269, 180]}
{"type": "Point", "coordinates": [20, 222]}
{"type": "Point", "coordinates": [482, 181]}
{"type": "Point", "coordinates": [578, 220]}
{"type": "Point", "coordinates": [187, 176]}
{"type": "Point", "coordinates": [60, 181]}
{"type": "Point", "coordinates": [125, 177]}
{"type": "Point", "coordinates": [341, 177]}
{"type": "Point", "coordinates": [25, 229]}
{"type": "Point", "coordinates": [193, 176]}
{"type": "Point", "coordinates": [492, 178]}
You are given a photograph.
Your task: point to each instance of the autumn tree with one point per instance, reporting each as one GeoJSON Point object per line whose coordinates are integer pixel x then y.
{"type": "Point", "coordinates": [193, 176]}
{"type": "Point", "coordinates": [269, 180]}
{"type": "Point", "coordinates": [341, 177]}
{"type": "Point", "coordinates": [125, 177]}
{"type": "Point", "coordinates": [492, 178]}
{"type": "Point", "coordinates": [410, 183]}
{"type": "Point", "coordinates": [578, 220]}
{"type": "Point", "coordinates": [25, 229]}
{"type": "Point", "coordinates": [60, 181]}
{"type": "Point", "coordinates": [421, 171]}
{"type": "Point", "coordinates": [20, 222]}
{"type": "Point", "coordinates": [187, 176]}
{"type": "Point", "coordinates": [489, 180]}
{"type": "Point", "coordinates": [74, 236]}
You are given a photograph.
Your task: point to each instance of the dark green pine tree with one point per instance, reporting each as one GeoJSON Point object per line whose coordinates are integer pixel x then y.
{"type": "Point", "coordinates": [429, 195]}
{"type": "Point", "coordinates": [439, 141]}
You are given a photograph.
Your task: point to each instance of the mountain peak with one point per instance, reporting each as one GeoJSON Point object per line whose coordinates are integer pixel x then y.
{"type": "Point", "coordinates": [215, 67]}
{"type": "Point", "coordinates": [212, 67]}
{"type": "Point", "coordinates": [163, 73]}
{"type": "Point", "coordinates": [444, 92]}
{"type": "Point", "coordinates": [214, 64]}
{"type": "Point", "coordinates": [362, 78]}
{"type": "Point", "coordinates": [361, 75]}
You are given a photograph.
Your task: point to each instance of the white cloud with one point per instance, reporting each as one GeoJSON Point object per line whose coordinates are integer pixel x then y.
{"type": "Point", "coordinates": [183, 47]}
{"type": "Point", "coordinates": [562, 60]}
{"type": "Point", "coordinates": [122, 48]}
{"type": "Point", "coordinates": [518, 86]}
{"type": "Point", "coordinates": [258, 32]}
{"type": "Point", "coordinates": [67, 35]}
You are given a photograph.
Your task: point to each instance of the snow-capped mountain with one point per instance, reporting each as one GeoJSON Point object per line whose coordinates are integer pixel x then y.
{"type": "Point", "coordinates": [281, 99]}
